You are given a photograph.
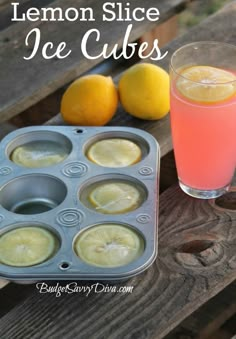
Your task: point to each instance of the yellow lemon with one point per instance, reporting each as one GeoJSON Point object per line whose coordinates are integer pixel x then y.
{"type": "Point", "coordinates": [206, 84]}
{"type": "Point", "coordinates": [114, 152]}
{"type": "Point", "coordinates": [115, 198]}
{"type": "Point", "coordinates": [91, 100]}
{"type": "Point", "coordinates": [144, 91]}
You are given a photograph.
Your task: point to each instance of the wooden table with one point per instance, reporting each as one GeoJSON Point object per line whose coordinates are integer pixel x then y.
{"type": "Point", "coordinates": [196, 260]}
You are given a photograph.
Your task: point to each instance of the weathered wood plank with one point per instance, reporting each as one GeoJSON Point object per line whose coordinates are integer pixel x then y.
{"type": "Point", "coordinates": [3, 2]}
{"type": "Point", "coordinates": [11, 295]}
{"type": "Point", "coordinates": [209, 318]}
{"type": "Point", "coordinates": [50, 106]}
{"type": "Point", "coordinates": [24, 83]}
{"type": "Point", "coordinates": [164, 32]}
{"type": "Point", "coordinates": [196, 261]}
{"type": "Point", "coordinates": [218, 27]}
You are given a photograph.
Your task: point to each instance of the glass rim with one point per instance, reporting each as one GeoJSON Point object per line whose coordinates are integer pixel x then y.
{"type": "Point", "coordinates": [199, 43]}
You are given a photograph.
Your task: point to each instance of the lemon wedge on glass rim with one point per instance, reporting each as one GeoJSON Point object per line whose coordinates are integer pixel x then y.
{"type": "Point", "coordinates": [115, 198]}
{"type": "Point", "coordinates": [114, 152]}
{"type": "Point", "coordinates": [26, 246]}
{"type": "Point", "coordinates": [206, 84]}
{"type": "Point", "coordinates": [109, 245]}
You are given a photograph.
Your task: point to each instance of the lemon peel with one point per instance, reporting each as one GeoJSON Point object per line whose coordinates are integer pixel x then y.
{"type": "Point", "coordinates": [144, 91]}
{"type": "Point", "coordinates": [91, 100]}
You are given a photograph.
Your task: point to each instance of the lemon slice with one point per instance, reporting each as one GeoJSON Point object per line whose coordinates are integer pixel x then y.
{"type": "Point", "coordinates": [206, 84]}
{"type": "Point", "coordinates": [26, 246]}
{"type": "Point", "coordinates": [109, 245]}
{"type": "Point", "coordinates": [39, 154]}
{"type": "Point", "coordinates": [114, 153]}
{"type": "Point", "coordinates": [115, 198]}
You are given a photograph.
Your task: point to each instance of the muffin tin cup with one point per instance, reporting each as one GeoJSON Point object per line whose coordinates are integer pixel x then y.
{"type": "Point", "coordinates": [59, 188]}
{"type": "Point", "coordinates": [32, 194]}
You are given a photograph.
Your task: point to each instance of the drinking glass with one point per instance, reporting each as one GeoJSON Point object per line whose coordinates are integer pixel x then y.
{"type": "Point", "coordinates": [203, 117]}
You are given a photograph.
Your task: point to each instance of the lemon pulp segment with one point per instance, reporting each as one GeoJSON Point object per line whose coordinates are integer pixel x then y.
{"type": "Point", "coordinates": [115, 197]}
{"type": "Point", "coordinates": [26, 246]}
{"type": "Point", "coordinates": [206, 84]}
{"type": "Point", "coordinates": [39, 154]}
{"type": "Point", "coordinates": [114, 153]}
{"type": "Point", "coordinates": [109, 245]}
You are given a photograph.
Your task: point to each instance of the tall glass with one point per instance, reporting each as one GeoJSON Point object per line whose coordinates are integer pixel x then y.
{"type": "Point", "coordinates": [203, 117]}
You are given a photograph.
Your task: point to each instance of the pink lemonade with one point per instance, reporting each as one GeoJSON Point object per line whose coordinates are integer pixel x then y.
{"type": "Point", "coordinates": [204, 139]}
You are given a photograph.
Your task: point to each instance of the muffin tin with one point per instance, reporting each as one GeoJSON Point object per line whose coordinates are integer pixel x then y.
{"type": "Point", "coordinates": [55, 197]}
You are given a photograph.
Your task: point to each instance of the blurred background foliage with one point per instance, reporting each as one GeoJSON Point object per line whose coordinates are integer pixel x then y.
{"type": "Point", "coordinates": [197, 11]}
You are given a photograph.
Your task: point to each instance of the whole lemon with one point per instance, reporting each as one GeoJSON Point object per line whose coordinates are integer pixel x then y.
{"type": "Point", "coordinates": [144, 91]}
{"type": "Point", "coordinates": [91, 100]}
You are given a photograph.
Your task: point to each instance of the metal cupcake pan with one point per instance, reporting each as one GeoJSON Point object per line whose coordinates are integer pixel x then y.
{"type": "Point", "coordinates": [60, 191]}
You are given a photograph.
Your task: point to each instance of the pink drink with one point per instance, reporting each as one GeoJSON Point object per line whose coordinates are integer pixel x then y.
{"type": "Point", "coordinates": [204, 139]}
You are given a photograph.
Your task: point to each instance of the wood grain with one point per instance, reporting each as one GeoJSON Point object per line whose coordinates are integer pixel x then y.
{"type": "Point", "coordinates": [11, 295]}
{"type": "Point", "coordinates": [176, 285]}
{"type": "Point", "coordinates": [23, 83]}
{"type": "Point", "coordinates": [3, 3]}
{"type": "Point", "coordinates": [49, 107]}
{"type": "Point", "coordinates": [210, 318]}
{"type": "Point", "coordinates": [164, 32]}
